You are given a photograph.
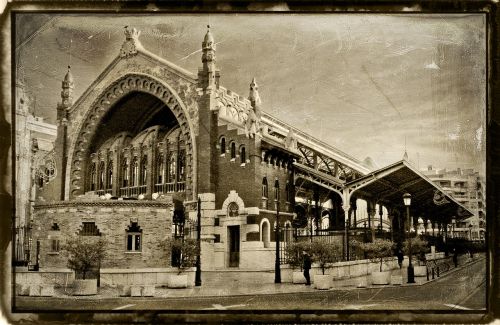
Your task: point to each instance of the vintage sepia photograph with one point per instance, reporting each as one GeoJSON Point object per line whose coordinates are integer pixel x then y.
{"type": "Point", "coordinates": [242, 162]}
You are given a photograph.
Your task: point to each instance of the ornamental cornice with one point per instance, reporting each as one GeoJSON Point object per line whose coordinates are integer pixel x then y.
{"type": "Point", "coordinates": [103, 203]}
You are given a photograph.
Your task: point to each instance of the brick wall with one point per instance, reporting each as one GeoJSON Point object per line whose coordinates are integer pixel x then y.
{"type": "Point", "coordinates": [247, 180]}
{"type": "Point", "coordinates": [112, 219]}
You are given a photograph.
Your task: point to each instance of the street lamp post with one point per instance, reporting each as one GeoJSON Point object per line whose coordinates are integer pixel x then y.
{"type": "Point", "coordinates": [407, 203]}
{"type": "Point", "coordinates": [197, 280]}
{"type": "Point", "coordinates": [277, 270]}
{"type": "Point", "coordinates": [470, 232]}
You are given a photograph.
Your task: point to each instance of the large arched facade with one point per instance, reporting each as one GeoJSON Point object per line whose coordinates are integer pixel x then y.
{"type": "Point", "coordinates": [87, 134]}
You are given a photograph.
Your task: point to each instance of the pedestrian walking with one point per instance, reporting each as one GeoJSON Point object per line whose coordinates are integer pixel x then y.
{"type": "Point", "coordinates": [400, 256]}
{"type": "Point", "coordinates": [422, 258]}
{"type": "Point", "coordinates": [307, 267]}
{"type": "Point", "coordinates": [455, 257]}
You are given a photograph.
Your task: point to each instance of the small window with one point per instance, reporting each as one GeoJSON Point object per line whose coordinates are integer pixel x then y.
{"type": "Point", "coordinates": [287, 191]}
{"type": "Point", "coordinates": [144, 170]}
{"type": "Point", "coordinates": [55, 245]}
{"type": "Point", "coordinates": [89, 229]}
{"type": "Point", "coordinates": [109, 181]}
{"type": "Point", "coordinates": [55, 227]}
{"type": "Point", "coordinates": [93, 177]}
{"type": "Point", "coordinates": [125, 172]}
{"type": "Point", "coordinates": [243, 156]}
{"type": "Point", "coordinates": [171, 169]}
{"type": "Point", "coordinates": [135, 172]}
{"type": "Point", "coordinates": [181, 165]}
{"type": "Point", "coordinates": [264, 187]}
{"type": "Point", "coordinates": [216, 238]}
{"type": "Point", "coordinates": [134, 237]}
{"type": "Point", "coordinates": [223, 145]}
{"type": "Point", "coordinates": [233, 150]}
{"type": "Point", "coordinates": [102, 173]}
{"type": "Point", "coordinates": [276, 190]}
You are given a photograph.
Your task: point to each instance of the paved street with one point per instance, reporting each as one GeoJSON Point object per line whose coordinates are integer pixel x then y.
{"type": "Point", "coordinates": [462, 289]}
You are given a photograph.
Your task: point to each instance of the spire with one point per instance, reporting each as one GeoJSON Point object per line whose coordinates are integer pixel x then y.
{"type": "Point", "coordinates": [208, 75]}
{"type": "Point", "coordinates": [67, 89]}
{"type": "Point", "coordinates": [405, 156]}
{"type": "Point", "coordinates": [253, 96]}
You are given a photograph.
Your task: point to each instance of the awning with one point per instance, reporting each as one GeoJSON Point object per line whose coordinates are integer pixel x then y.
{"type": "Point", "coordinates": [388, 184]}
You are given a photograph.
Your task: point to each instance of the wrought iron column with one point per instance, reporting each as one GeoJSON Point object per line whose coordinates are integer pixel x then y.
{"type": "Point", "coordinates": [346, 234]}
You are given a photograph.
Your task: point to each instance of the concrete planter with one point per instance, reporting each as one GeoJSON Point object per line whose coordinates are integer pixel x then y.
{"type": "Point", "coordinates": [178, 281]}
{"type": "Point", "coordinates": [323, 282]}
{"type": "Point", "coordinates": [381, 277]}
{"type": "Point", "coordinates": [420, 270]}
{"type": "Point", "coordinates": [123, 290]}
{"type": "Point", "coordinates": [362, 282]}
{"type": "Point", "coordinates": [85, 287]}
{"type": "Point", "coordinates": [396, 279]}
{"type": "Point", "coordinates": [298, 277]}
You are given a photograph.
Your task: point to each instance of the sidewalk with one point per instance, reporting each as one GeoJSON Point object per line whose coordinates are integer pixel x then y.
{"type": "Point", "coordinates": [220, 283]}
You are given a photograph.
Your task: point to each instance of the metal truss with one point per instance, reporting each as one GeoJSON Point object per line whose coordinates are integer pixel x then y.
{"type": "Point", "coordinates": [319, 178]}
{"type": "Point", "coordinates": [325, 164]}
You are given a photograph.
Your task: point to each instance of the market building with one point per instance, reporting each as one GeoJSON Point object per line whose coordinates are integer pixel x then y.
{"type": "Point", "coordinates": [147, 139]}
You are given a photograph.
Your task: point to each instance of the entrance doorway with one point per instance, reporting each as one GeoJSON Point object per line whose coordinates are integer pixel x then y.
{"type": "Point", "coordinates": [234, 245]}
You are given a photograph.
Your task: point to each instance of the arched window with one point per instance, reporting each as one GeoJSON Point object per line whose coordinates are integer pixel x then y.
{"type": "Point", "coordinates": [135, 172]}
{"type": "Point", "coordinates": [93, 177]}
{"type": "Point", "coordinates": [233, 150]}
{"type": "Point", "coordinates": [276, 190]}
{"type": "Point", "coordinates": [243, 156]}
{"type": "Point", "coordinates": [125, 172]}
{"type": "Point", "coordinates": [102, 173]}
{"type": "Point", "coordinates": [264, 187]}
{"type": "Point", "coordinates": [160, 172]}
{"type": "Point", "coordinates": [222, 145]}
{"type": "Point", "coordinates": [134, 234]}
{"type": "Point", "coordinates": [171, 169]}
{"type": "Point", "coordinates": [181, 165]}
{"type": "Point", "coordinates": [109, 176]}
{"type": "Point", "coordinates": [144, 170]}
{"type": "Point", "coordinates": [233, 209]}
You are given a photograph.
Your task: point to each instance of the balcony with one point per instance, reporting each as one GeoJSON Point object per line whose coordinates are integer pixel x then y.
{"type": "Point", "coordinates": [170, 187]}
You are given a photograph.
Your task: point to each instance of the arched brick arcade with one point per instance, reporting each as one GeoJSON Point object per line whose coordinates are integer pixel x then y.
{"type": "Point", "coordinates": [102, 121]}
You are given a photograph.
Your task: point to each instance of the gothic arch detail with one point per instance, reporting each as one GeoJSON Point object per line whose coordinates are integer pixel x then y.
{"type": "Point", "coordinates": [233, 197]}
{"type": "Point", "coordinates": [117, 90]}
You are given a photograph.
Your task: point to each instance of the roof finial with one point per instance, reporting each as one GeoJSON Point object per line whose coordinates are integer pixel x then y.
{"type": "Point", "coordinates": [405, 156]}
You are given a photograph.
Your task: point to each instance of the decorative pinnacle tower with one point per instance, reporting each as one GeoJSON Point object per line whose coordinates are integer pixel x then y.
{"type": "Point", "coordinates": [208, 75]}
{"type": "Point", "coordinates": [67, 89]}
{"type": "Point", "coordinates": [254, 93]}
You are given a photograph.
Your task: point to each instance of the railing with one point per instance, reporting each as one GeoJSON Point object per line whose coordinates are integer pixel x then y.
{"type": "Point", "coordinates": [103, 192]}
{"type": "Point", "coordinates": [170, 187]}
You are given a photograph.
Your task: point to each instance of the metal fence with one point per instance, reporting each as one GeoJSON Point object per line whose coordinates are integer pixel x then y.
{"type": "Point", "coordinates": [23, 246]}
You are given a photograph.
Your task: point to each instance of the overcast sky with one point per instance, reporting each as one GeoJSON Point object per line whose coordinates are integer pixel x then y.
{"type": "Point", "coordinates": [361, 82]}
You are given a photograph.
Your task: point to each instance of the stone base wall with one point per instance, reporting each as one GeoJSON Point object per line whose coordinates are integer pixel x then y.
{"type": "Point", "coordinates": [56, 277]}
{"type": "Point", "coordinates": [344, 270]}
{"type": "Point", "coordinates": [112, 218]}
{"type": "Point", "coordinates": [152, 276]}
{"type": "Point", "coordinates": [109, 277]}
